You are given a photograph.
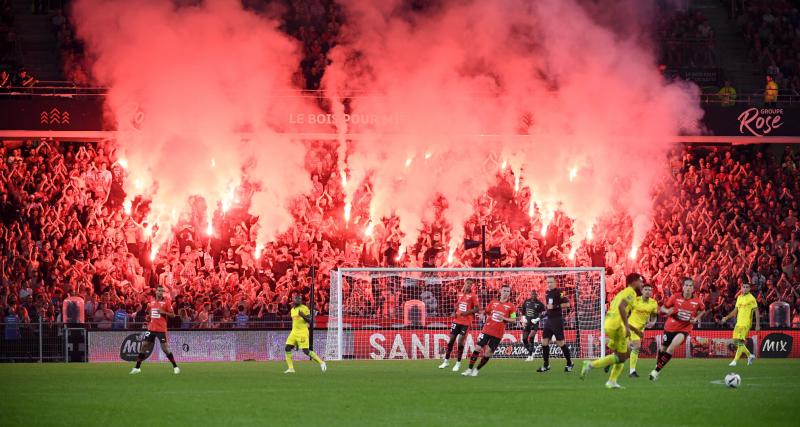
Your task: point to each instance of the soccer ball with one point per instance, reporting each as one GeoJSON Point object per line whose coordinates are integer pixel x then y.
{"type": "Point", "coordinates": [733, 380]}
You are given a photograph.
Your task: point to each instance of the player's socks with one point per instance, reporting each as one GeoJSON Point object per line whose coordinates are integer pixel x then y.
{"type": "Point", "coordinates": [546, 355]}
{"type": "Point", "coordinates": [605, 361]}
{"type": "Point", "coordinates": [172, 360]}
{"type": "Point", "coordinates": [289, 361]}
{"type": "Point", "coordinates": [460, 352]}
{"type": "Point", "coordinates": [738, 353]}
{"type": "Point", "coordinates": [450, 350]}
{"type": "Point", "coordinates": [473, 358]}
{"type": "Point", "coordinates": [484, 361]}
{"type": "Point", "coordinates": [662, 361]}
{"type": "Point", "coordinates": [565, 350]}
{"type": "Point", "coordinates": [314, 357]}
{"type": "Point", "coordinates": [139, 360]}
{"type": "Point", "coordinates": [634, 359]}
{"type": "Point", "coordinates": [615, 371]}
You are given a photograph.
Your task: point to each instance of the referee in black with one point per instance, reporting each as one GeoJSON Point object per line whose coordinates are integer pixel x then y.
{"type": "Point", "coordinates": [531, 310]}
{"type": "Point", "coordinates": [554, 325]}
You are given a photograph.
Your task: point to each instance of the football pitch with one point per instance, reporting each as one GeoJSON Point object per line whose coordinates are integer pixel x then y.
{"type": "Point", "coordinates": [413, 393]}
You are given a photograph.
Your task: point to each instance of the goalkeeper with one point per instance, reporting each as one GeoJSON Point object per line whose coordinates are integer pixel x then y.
{"type": "Point", "coordinates": [531, 311]}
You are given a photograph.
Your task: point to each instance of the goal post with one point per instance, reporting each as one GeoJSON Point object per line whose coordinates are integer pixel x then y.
{"type": "Point", "coordinates": [406, 313]}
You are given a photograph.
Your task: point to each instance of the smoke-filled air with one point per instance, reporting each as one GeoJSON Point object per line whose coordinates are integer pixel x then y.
{"type": "Point", "coordinates": [442, 101]}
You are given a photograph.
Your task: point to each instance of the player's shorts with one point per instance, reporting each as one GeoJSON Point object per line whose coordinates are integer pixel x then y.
{"type": "Point", "coordinates": [740, 332]}
{"type": "Point", "coordinates": [531, 327]}
{"type": "Point", "coordinates": [298, 340]}
{"type": "Point", "coordinates": [553, 327]}
{"type": "Point", "coordinates": [669, 336]}
{"type": "Point", "coordinates": [634, 335]}
{"type": "Point", "coordinates": [617, 341]}
{"type": "Point", "coordinates": [458, 329]}
{"type": "Point", "coordinates": [489, 340]}
{"type": "Point", "coordinates": [150, 336]}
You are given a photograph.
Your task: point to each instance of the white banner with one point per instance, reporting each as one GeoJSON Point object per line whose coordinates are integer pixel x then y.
{"type": "Point", "coordinates": [197, 346]}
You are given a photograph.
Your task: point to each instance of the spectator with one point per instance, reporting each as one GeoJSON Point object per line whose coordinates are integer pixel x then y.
{"type": "Point", "coordinates": [24, 79]}
{"type": "Point", "coordinates": [727, 95]}
{"type": "Point", "coordinates": [103, 317]}
{"type": "Point", "coordinates": [770, 92]}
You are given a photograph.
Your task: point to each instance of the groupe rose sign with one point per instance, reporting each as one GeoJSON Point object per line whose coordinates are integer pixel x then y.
{"type": "Point", "coordinates": [760, 122]}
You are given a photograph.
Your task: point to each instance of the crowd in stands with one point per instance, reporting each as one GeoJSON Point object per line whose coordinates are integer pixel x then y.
{"type": "Point", "coordinates": [686, 38]}
{"type": "Point", "coordinates": [316, 25]}
{"type": "Point", "coordinates": [772, 31]}
{"type": "Point", "coordinates": [722, 216]}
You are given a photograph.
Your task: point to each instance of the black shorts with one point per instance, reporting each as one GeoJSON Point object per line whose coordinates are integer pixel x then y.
{"type": "Point", "coordinates": [553, 327]}
{"type": "Point", "coordinates": [150, 336]}
{"type": "Point", "coordinates": [489, 340]}
{"type": "Point", "coordinates": [531, 327]}
{"type": "Point", "coordinates": [456, 329]}
{"type": "Point", "coordinates": [669, 336]}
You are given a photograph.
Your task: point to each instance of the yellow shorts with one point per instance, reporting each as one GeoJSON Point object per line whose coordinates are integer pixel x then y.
{"type": "Point", "coordinates": [740, 332]}
{"type": "Point", "coordinates": [617, 341]}
{"type": "Point", "coordinates": [298, 340]}
{"type": "Point", "coordinates": [634, 335]}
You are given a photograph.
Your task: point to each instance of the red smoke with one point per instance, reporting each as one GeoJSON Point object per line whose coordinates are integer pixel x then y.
{"type": "Point", "coordinates": [568, 99]}
{"type": "Point", "coordinates": [597, 116]}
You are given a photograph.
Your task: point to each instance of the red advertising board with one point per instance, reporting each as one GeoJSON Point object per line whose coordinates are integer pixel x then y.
{"type": "Point", "coordinates": [431, 344]}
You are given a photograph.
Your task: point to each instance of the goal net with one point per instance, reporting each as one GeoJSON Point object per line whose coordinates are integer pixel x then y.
{"type": "Point", "coordinates": [387, 313]}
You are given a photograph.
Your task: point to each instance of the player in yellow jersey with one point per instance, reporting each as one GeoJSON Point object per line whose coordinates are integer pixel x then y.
{"type": "Point", "coordinates": [746, 305]}
{"type": "Point", "coordinates": [298, 338]}
{"type": "Point", "coordinates": [643, 315]}
{"type": "Point", "coordinates": [617, 330]}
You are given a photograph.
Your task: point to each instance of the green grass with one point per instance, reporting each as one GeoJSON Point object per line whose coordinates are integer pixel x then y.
{"type": "Point", "coordinates": [394, 393]}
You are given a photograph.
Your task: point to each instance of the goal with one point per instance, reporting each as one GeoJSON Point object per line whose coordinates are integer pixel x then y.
{"type": "Point", "coordinates": [405, 313]}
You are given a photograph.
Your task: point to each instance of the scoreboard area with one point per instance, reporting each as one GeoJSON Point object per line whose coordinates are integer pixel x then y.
{"type": "Point", "coordinates": [508, 392]}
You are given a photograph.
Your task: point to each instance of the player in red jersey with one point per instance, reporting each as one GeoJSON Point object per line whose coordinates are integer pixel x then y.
{"type": "Point", "coordinates": [682, 311]}
{"type": "Point", "coordinates": [159, 310]}
{"type": "Point", "coordinates": [497, 314]}
{"type": "Point", "coordinates": [465, 309]}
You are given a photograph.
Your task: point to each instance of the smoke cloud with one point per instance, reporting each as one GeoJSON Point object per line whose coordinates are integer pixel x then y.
{"type": "Point", "coordinates": [561, 92]}
{"type": "Point", "coordinates": [198, 93]}
{"type": "Point", "coordinates": [595, 115]}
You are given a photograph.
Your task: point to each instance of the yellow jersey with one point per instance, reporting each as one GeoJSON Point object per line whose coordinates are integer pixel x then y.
{"type": "Point", "coordinates": [299, 325]}
{"type": "Point", "coordinates": [745, 304]}
{"type": "Point", "coordinates": [642, 310]}
{"type": "Point", "coordinates": [628, 295]}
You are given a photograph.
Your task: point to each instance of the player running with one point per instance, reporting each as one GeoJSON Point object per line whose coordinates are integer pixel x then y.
{"type": "Point", "coordinates": [643, 315]}
{"type": "Point", "coordinates": [683, 311]}
{"type": "Point", "coordinates": [554, 325]}
{"type": "Point", "coordinates": [746, 305]}
{"type": "Point", "coordinates": [298, 337]}
{"type": "Point", "coordinates": [465, 309]}
{"type": "Point", "coordinates": [497, 314]}
{"type": "Point", "coordinates": [531, 310]}
{"type": "Point", "coordinates": [617, 328]}
{"type": "Point", "coordinates": [159, 310]}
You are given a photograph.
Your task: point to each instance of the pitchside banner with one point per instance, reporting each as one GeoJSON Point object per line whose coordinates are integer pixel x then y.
{"type": "Point", "coordinates": [431, 344]}
{"type": "Point", "coordinates": [197, 346]}
{"type": "Point", "coordinates": [379, 344]}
